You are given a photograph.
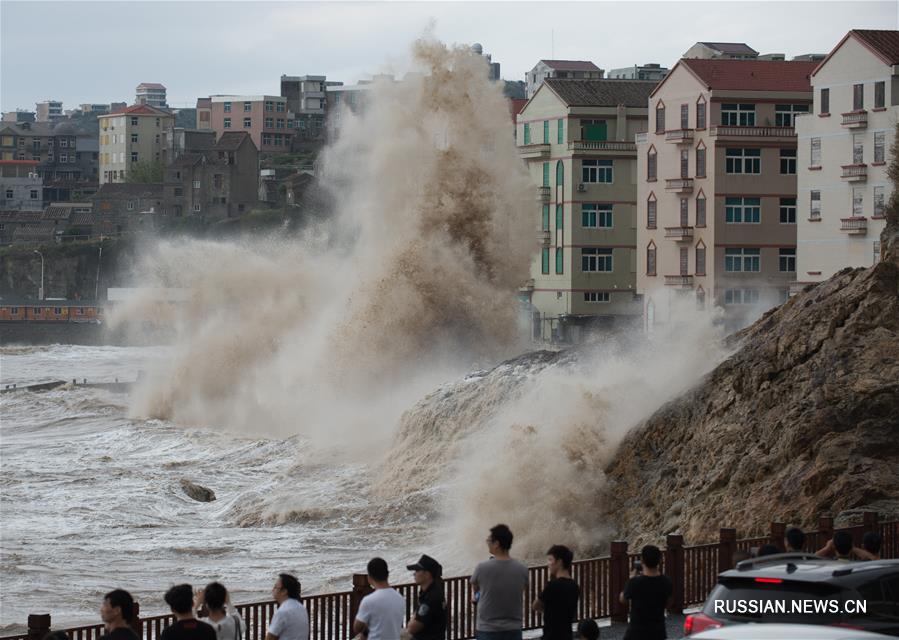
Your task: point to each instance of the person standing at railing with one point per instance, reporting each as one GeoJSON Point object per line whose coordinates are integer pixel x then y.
{"type": "Point", "coordinates": [117, 613]}
{"type": "Point", "coordinates": [180, 599]}
{"type": "Point", "coordinates": [227, 626]}
{"type": "Point", "coordinates": [649, 593]}
{"type": "Point", "coordinates": [381, 613]}
{"type": "Point", "coordinates": [429, 620]}
{"type": "Point", "coordinates": [558, 600]}
{"type": "Point", "coordinates": [498, 585]}
{"type": "Point", "coordinates": [291, 620]}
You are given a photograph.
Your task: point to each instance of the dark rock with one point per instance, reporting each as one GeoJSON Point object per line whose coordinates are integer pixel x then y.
{"type": "Point", "coordinates": [196, 491]}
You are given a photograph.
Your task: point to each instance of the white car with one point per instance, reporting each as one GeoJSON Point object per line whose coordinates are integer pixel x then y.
{"type": "Point", "coordinates": [785, 632]}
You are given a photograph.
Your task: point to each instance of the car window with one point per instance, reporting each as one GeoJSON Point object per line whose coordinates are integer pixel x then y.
{"type": "Point", "coordinates": [881, 598]}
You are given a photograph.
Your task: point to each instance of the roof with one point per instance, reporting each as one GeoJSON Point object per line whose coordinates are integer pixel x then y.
{"type": "Point", "coordinates": [231, 140]}
{"type": "Point", "coordinates": [571, 65]}
{"type": "Point", "coordinates": [605, 93]}
{"type": "Point", "coordinates": [57, 212]}
{"type": "Point", "coordinates": [83, 219]}
{"type": "Point", "coordinates": [150, 85]}
{"type": "Point", "coordinates": [730, 47]}
{"type": "Point", "coordinates": [32, 128]}
{"type": "Point", "coordinates": [137, 110]}
{"type": "Point", "coordinates": [187, 160]}
{"type": "Point", "coordinates": [882, 43]}
{"type": "Point", "coordinates": [750, 75]}
{"type": "Point", "coordinates": [20, 216]}
{"type": "Point", "coordinates": [810, 570]}
{"type": "Point", "coordinates": [132, 189]}
{"type": "Point", "coordinates": [516, 105]}
{"type": "Point", "coordinates": [14, 162]}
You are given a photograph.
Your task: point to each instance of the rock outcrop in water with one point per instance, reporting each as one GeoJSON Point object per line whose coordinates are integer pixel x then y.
{"type": "Point", "coordinates": [196, 491]}
{"type": "Point", "coordinates": [802, 421]}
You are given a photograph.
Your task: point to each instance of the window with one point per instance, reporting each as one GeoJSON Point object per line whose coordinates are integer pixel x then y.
{"type": "Point", "coordinates": [878, 202]}
{"type": "Point", "coordinates": [247, 107]}
{"type": "Point", "coordinates": [743, 161]}
{"type": "Point", "coordinates": [247, 123]}
{"type": "Point", "coordinates": [684, 261]}
{"type": "Point", "coordinates": [787, 161]}
{"type": "Point", "coordinates": [227, 107]}
{"type": "Point", "coordinates": [34, 194]}
{"type": "Point", "coordinates": [738, 115]}
{"type": "Point", "coordinates": [560, 131]}
{"type": "Point", "coordinates": [700, 210]}
{"type": "Point", "coordinates": [196, 184]}
{"type": "Point", "coordinates": [594, 260]}
{"type": "Point", "coordinates": [685, 116]}
{"type": "Point", "coordinates": [651, 213]}
{"type": "Point", "coordinates": [593, 130]}
{"type": "Point", "coordinates": [858, 148]}
{"type": "Point", "coordinates": [700, 260]}
{"type": "Point", "coordinates": [131, 205]}
{"type": "Point", "coordinates": [596, 296]}
{"type": "Point", "coordinates": [596, 216]}
{"type": "Point", "coordinates": [544, 260]}
{"type": "Point", "coordinates": [134, 156]}
{"type": "Point", "coordinates": [63, 142]}
{"type": "Point", "coordinates": [227, 123]}
{"type": "Point", "coordinates": [560, 218]}
{"type": "Point", "coordinates": [217, 180]}
{"type": "Point", "coordinates": [546, 132]}
{"type": "Point", "coordinates": [700, 162]}
{"type": "Point", "coordinates": [651, 260]}
{"type": "Point", "coordinates": [134, 138]}
{"type": "Point", "coordinates": [197, 207]}
{"type": "Point", "coordinates": [787, 260]}
{"type": "Point", "coordinates": [560, 174]}
{"type": "Point", "coordinates": [785, 114]}
{"type": "Point", "coordinates": [741, 296]}
{"type": "Point", "coordinates": [737, 260]}
{"type": "Point", "coordinates": [545, 174]}
{"type": "Point", "coordinates": [9, 194]}
{"type": "Point", "coordinates": [879, 139]}
{"type": "Point", "coordinates": [279, 123]}
{"type": "Point", "coordinates": [858, 97]}
{"type": "Point", "coordinates": [684, 212]}
{"type": "Point", "coordinates": [527, 133]}
{"type": "Point", "coordinates": [36, 144]}
{"type": "Point", "coordinates": [651, 164]}
{"type": "Point", "coordinates": [596, 171]}
{"type": "Point", "coordinates": [815, 152]}
{"type": "Point", "coordinates": [269, 123]}
{"type": "Point", "coordinates": [825, 102]}
{"type": "Point", "coordinates": [63, 157]}
{"type": "Point", "coordinates": [545, 218]}
{"type": "Point", "coordinates": [742, 210]}
{"type": "Point", "coordinates": [560, 261]}
{"type": "Point", "coordinates": [279, 107]}
{"type": "Point", "coordinates": [269, 105]}
{"type": "Point", "coordinates": [266, 139]}
{"type": "Point", "coordinates": [858, 202]}
{"type": "Point", "coordinates": [134, 122]}
{"type": "Point", "coordinates": [879, 94]}
{"type": "Point", "coordinates": [788, 210]}
{"type": "Point", "coordinates": [700, 114]}
{"type": "Point", "coordinates": [815, 206]}
{"type": "Point", "coordinates": [660, 117]}
{"type": "Point", "coordinates": [684, 163]}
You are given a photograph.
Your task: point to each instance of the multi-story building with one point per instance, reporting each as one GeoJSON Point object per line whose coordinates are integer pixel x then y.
{"type": "Point", "coordinates": [717, 186]}
{"type": "Point", "coordinates": [566, 69]}
{"type": "Point", "coordinates": [97, 109]}
{"type": "Point", "coordinates": [650, 71]}
{"type": "Point", "coordinates": [48, 111]}
{"type": "Point", "coordinates": [307, 100]}
{"type": "Point", "coordinates": [150, 93]}
{"type": "Point", "coordinates": [844, 150]}
{"type": "Point", "coordinates": [577, 138]}
{"type": "Point", "coordinates": [131, 136]}
{"type": "Point", "coordinates": [21, 188]}
{"type": "Point", "coordinates": [267, 119]}
{"type": "Point", "coordinates": [127, 207]}
{"type": "Point", "coordinates": [721, 50]}
{"type": "Point", "coordinates": [19, 115]}
{"type": "Point", "coordinates": [493, 68]}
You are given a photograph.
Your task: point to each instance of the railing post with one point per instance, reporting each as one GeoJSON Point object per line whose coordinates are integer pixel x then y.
{"type": "Point", "coordinates": [38, 625]}
{"type": "Point", "coordinates": [618, 575]}
{"type": "Point", "coordinates": [825, 526]}
{"type": "Point", "coordinates": [136, 623]}
{"type": "Point", "coordinates": [869, 521]}
{"type": "Point", "coordinates": [778, 532]}
{"type": "Point", "coordinates": [674, 569]}
{"type": "Point", "coordinates": [727, 547]}
{"type": "Point", "coordinates": [361, 588]}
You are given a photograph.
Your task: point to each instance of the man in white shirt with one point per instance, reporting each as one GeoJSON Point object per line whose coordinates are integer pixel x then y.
{"type": "Point", "coordinates": [290, 622]}
{"type": "Point", "coordinates": [382, 612]}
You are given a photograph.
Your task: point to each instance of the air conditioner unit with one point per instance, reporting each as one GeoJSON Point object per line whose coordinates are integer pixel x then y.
{"type": "Point", "coordinates": [581, 187]}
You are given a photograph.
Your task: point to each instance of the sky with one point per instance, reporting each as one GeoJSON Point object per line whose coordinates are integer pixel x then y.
{"type": "Point", "coordinates": [100, 51]}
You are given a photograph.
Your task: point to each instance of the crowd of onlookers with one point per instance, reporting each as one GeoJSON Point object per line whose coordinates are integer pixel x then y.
{"type": "Point", "coordinates": [497, 585]}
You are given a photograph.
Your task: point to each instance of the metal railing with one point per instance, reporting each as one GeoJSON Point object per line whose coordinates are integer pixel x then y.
{"type": "Point", "coordinates": [602, 145]}
{"type": "Point", "coordinates": [855, 119]}
{"type": "Point", "coordinates": [751, 132]}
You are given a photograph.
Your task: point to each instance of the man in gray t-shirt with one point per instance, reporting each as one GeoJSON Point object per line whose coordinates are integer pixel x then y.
{"type": "Point", "coordinates": [498, 585]}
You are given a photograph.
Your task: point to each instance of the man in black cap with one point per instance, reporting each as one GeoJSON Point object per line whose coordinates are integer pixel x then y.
{"type": "Point", "coordinates": [429, 621]}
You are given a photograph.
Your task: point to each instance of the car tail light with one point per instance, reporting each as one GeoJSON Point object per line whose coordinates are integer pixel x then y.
{"type": "Point", "coordinates": [769, 580]}
{"type": "Point", "coordinates": [845, 625]}
{"type": "Point", "coordinates": [697, 622]}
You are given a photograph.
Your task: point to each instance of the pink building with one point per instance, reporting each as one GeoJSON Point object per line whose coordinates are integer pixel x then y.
{"type": "Point", "coordinates": [265, 118]}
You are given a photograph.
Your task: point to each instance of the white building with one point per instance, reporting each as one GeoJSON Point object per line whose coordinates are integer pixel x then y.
{"type": "Point", "coordinates": [564, 69]}
{"type": "Point", "coordinates": [844, 150]}
{"type": "Point", "coordinates": [150, 93]}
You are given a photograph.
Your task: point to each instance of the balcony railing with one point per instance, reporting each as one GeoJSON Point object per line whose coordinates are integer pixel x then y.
{"type": "Point", "coordinates": [854, 226]}
{"type": "Point", "coordinates": [679, 281]}
{"type": "Point", "coordinates": [679, 185]}
{"type": "Point", "coordinates": [543, 194]}
{"type": "Point", "coordinates": [855, 172]}
{"type": "Point", "coordinates": [602, 145]}
{"type": "Point", "coordinates": [544, 237]}
{"type": "Point", "coordinates": [534, 150]}
{"type": "Point", "coordinates": [680, 136]}
{"type": "Point", "coordinates": [751, 132]}
{"type": "Point", "coordinates": [855, 119]}
{"type": "Point", "coordinates": [641, 138]}
{"type": "Point", "coordinates": [681, 234]}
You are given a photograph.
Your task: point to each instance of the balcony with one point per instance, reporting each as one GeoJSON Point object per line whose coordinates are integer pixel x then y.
{"type": "Point", "coordinates": [854, 226]}
{"type": "Point", "coordinates": [854, 172]}
{"type": "Point", "coordinates": [680, 234]}
{"type": "Point", "coordinates": [534, 151]}
{"type": "Point", "coordinates": [679, 185]}
{"type": "Point", "coordinates": [722, 131]}
{"type": "Point", "coordinates": [679, 136]}
{"type": "Point", "coordinates": [586, 147]}
{"type": "Point", "coordinates": [543, 194]}
{"type": "Point", "coordinates": [855, 120]}
{"type": "Point", "coordinates": [544, 238]}
{"type": "Point", "coordinates": [681, 281]}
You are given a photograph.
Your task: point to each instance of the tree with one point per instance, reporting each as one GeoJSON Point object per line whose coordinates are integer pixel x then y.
{"type": "Point", "coordinates": [147, 173]}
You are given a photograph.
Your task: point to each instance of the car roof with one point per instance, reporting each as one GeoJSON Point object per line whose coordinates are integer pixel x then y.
{"type": "Point", "coordinates": [806, 568]}
{"type": "Point", "coordinates": [784, 632]}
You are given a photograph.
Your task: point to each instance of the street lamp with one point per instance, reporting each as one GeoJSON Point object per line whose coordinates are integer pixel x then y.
{"type": "Point", "coordinates": [97, 283]}
{"type": "Point", "coordinates": [40, 293]}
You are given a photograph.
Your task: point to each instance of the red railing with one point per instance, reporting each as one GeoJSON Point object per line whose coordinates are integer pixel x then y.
{"type": "Point", "coordinates": [693, 570]}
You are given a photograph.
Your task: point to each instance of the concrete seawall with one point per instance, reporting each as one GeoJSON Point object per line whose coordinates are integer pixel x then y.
{"type": "Point", "coordinates": [36, 333]}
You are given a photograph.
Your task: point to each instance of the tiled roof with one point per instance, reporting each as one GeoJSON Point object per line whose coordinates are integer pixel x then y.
{"type": "Point", "coordinates": [139, 110]}
{"type": "Point", "coordinates": [571, 65]}
{"type": "Point", "coordinates": [602, 93]}
{"type": "Point", "coordinates": [752, 75]}
{"type": "Point", "coordinates": [15, 162]}
{"type": "Point", "coordinates": [516, 105]}
{"type": "Point", "coordinates": [133, 189]}
{"type": "Point", "coordinates": [730, 47]}
{"type": "Point", "coordinates": [884, 43]}
{"type": "Point", "coordinates": [231, 140]}
{"type": "Point", "coordinates": [57, 212]}
{"type": "Point", "coordinates": [150, 85]}
{"type": "Point", "coordinates": [20, 216]}
{"type": "Point", "coordinates": [83, 219]}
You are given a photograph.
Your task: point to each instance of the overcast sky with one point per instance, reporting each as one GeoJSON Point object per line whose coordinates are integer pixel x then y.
{"type": "Point", "coordinates": [99, 51]}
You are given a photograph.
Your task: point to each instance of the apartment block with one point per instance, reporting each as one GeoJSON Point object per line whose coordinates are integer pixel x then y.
{"type": "Point", "coordinates": [150, 93]}
{"type": "Point", "coordinates": [563, 69]}
{"type": "Point", "coordinates": [721, 51]}
{"type": "Point", "coordinates": [650, 71]}
{"type": "Point", "coordinates": [48, 111]}
{"type": "Point", "coordinates": [307, 100]}
{"type": "Point", "coordinates": [577, 139]}
{"type": "Point", "coordinates": [20, 186]}
{"type": "Point", "coordinates": [267, 119]}
{"type": "Point", "coordinates": [716, 195]}
{"type": "Point", "coordinates": [131, 136]}
{"type": "Point", "coordinates": [844, 150]}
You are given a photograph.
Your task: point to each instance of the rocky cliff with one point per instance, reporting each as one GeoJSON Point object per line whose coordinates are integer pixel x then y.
{"type": "Point", "coordinates": [802, 421]}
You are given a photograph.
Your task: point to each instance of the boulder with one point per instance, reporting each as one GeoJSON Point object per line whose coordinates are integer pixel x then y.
{"type": "Point", "coordinates": [196, 491]}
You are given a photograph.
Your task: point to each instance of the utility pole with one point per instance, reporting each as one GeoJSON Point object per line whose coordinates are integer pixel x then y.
{"type": "Point", "coordinates": [40, 292]}
{"type": "Point", "coordinates": [97, 283]}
